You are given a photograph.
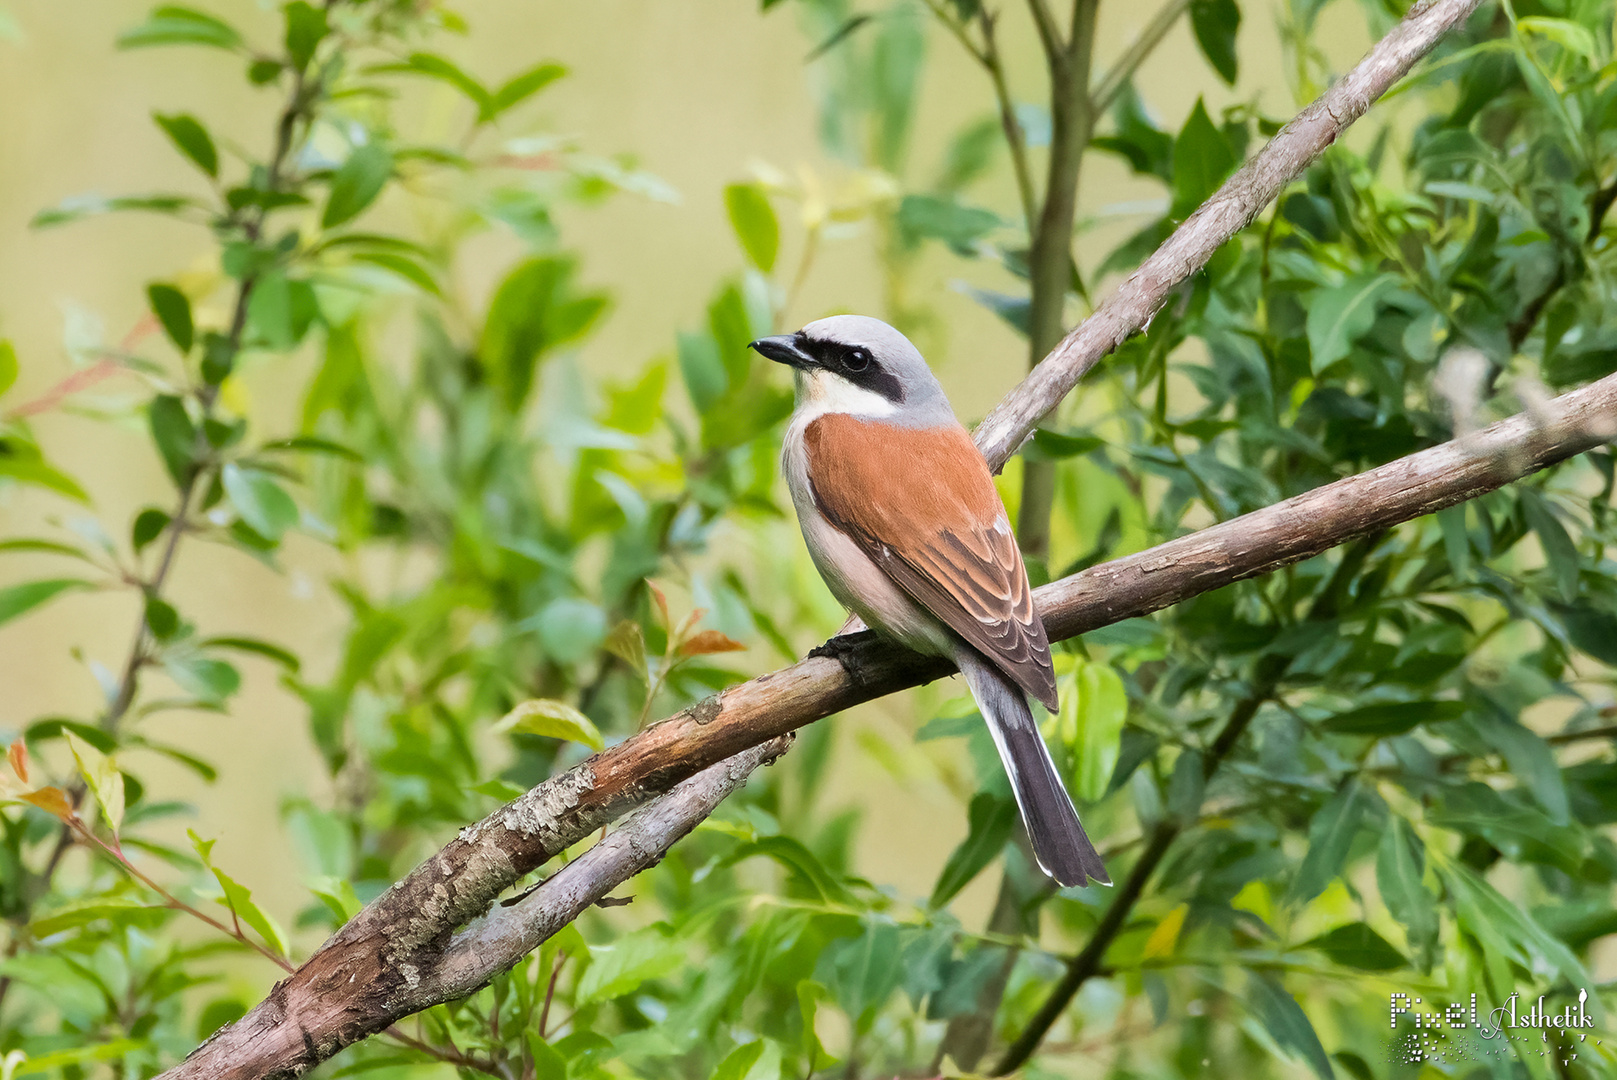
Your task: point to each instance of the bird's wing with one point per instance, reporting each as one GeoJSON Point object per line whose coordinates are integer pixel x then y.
{"type": "Point", "coordinates": [921, 504]}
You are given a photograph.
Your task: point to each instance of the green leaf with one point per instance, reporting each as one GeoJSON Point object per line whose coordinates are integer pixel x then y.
{"type": "Point", "coordinates": [991, 820]}
{"type": "Point", "coordinates": [1148, 149]}
{"type": "Point", "coordinates": [83, 206]}
{"type": "Point", "coordinates": [634, 958]}
{"type": "Point", "coordinates": [305, 28]}
{"type": "Point", "coordinates": [1047, 445]}
{"type": "Point", "coordinates": [570, 628]}
{"type": "Point", "coordinates": [1531, 759]}
{"type": "Point", "coordinates": [1330, 835]}
{"type": "Point", "coordinates": [433, 66]}
{"type": "Point", "coordinates": [161, 618]}
{"type": "Point", "coordinates": [1505, 926]}
{"type": "Point", "coordinates": [119, 911]}
{"type": "Point", "coordinates": [239, 899]}
{"type": "Point", "coordinates": [738, 1062]}
{"type": "Point", "coordinates": [1573, 37]}
{"type": "Point", "coordinates": [1286, 1022]}
{"type": "Point", "coordinates": [174, 25]}
{"type": "Point", "coordinates": [1456, 540]}
{"type": "Point", "coordinates": [8, 365]}
{"type": "Point", "coordinates": [970, 154]}
{"type": "Point", "coordinates": [173, 310]}
{"type": "Point", "coordinates": [25, 470]}
{"type": "Point", "coordinates": [1215, 23]}
{"type": "Point", "coordinates": [1202, 158]}
{"type": "Point", "coordinates": [356, 183]}
{"type": "Point", "coordinates": [1392, 718]}
{"type": "Point", "coordinates": [259, 500]}
{"type": "Point", "coordinates": [310, 444]}
{"type": "Point", "coordinates": [207, 679]}
{"type": "Point", "coordinates": [534, 311]}
{"type": "Point", "coordinates": [703, 369]}
{"type": "Point", "coordinates": [1589, 629]}
{"type": "Point", "coordinates": [148, 526]}
{"type": "Point", "coordinates": [78, 1055]}
{"type": "Point", "coordinates": [263, 72]}
{"type": "Point", "coordinates": [524, 86]}
{"type": "Point", "coordinates": [864, 971]}
{"type": "Point", "coordinates": [1357, 945]}
{"type": "Point", "coordinates": [338, 896]}
{"type": "Point", "coordinates": [191, 138]}
{"type": "Point", "coordinates": [17, 599]}
{"type": "Point", "coordinates": [552, 720]}
{"type": "Point", "coordinates": [174, 434]}
{"type": "Point", "coordinates": [1340, 316]}
{"type": "Point", "coordinates": [794, 856]}
{"type": "Point", "coordinates": [753, 220]}
{"type": "Point", "coordinates": [204, 771]}
{"type": "Point", "coordinates": [402, 266]}
{"type": "Point", "coordinates": [1093, 711]}
{"type": "Point", "coordinates": [924, 216]}
{"type": "Point", "coordinates": [1187, 786]}
{"type": "Point", "coordinates": [44, 547]}
{"type": "Point", "coordinates": [636, 408]}
{"type": "Point", "coordinates": [628, 643]}
{"type": "Point", "coordinates": [102, 777]}
{"type": "Point", "coordinates": [1560, 553]}
{"type": "Point", "coordinates": [809, 996]}
{"type": "Point", "coordinates": [256, 647]}
{"type": "Point", "coordinates": [1399, 868]}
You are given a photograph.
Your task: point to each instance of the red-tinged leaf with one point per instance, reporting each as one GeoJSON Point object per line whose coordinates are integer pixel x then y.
{"type": "Point", "coordinates": [18, 756]}
{"type": "Point", "coordinates": [710, 641]}
{"type": "Point", "coordinates": [52, 800]}
{"type": "Point", "coordinates": [662, 603]}
{"type": "Point", "coordinates": [688, 623]}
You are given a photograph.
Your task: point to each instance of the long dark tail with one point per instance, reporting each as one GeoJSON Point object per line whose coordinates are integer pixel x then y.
{"type": "Point", "coordinates": [1059, 841]}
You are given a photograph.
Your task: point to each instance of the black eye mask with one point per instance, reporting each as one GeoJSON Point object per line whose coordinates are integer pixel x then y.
{"type": "Point", "coordinates": [856, 363]}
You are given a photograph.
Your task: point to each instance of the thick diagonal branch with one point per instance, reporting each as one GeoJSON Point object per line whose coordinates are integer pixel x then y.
{"type": "Point", "coordinates": [367, 975]}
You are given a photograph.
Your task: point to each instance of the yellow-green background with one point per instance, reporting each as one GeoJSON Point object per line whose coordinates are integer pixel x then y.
{"type": "Point", "coordinates": [699, 92]}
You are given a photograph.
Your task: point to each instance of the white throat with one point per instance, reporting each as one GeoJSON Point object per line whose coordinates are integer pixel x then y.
{"type": "Point", "coordinates": [820, 392]}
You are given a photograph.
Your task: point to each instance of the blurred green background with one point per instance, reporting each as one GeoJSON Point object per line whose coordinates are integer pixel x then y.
{"type": "Point", "coordinates": [458, 433]}
{"type": "Point", "coordinates": [698, 93]}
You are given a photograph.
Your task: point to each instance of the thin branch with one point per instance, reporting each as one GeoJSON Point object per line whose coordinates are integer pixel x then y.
{"type": "Point", "coordinates": [448, 1055]}
{"type": "Point", "coordinates": [1049, 33]}
{"type": "Point", "coordinates": [1230, 209]}
{"type": "Point", "coordinates": [1088, 961]}
{"type": "Point", "coordinates": [988, 56]}
{"type": "Point", "coordinates": [1009, 122]}
{"type": "Point", "coordinates": [266, 1044]}
{"type": "Point", "coordinates": [129, 681]}
{"type": "Point", "coordinates": [1111, 84]}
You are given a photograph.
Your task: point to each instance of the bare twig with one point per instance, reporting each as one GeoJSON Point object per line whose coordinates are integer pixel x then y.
{"type": "Point", "coordinates": [1111, 84]}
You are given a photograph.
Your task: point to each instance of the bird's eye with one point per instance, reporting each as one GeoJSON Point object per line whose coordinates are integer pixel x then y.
{"type": "Point", "coordinates": [857, 359]}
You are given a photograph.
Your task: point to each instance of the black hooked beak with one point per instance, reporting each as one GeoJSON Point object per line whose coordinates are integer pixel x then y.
{"type": "Point", "coordinates": [783, 349]}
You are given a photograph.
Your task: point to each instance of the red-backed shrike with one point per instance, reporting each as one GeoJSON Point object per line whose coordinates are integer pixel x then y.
{"type": "Point", "coordinates": [902, 519]}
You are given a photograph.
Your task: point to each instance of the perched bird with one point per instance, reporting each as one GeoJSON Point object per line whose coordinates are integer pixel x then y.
{"type": "Point", "coordinates": [901, 516]}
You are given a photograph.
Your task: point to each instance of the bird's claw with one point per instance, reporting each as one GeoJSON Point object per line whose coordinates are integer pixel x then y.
{"type": "Point", "coordinates": [841, 649]}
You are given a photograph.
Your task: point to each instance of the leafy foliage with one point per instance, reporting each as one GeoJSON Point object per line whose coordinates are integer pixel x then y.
{"type": "Point", "coordinates": [1387, 767]}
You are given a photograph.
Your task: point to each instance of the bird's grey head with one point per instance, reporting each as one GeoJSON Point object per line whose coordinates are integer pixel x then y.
{"type": "Point", "coordinates": [860, 365]}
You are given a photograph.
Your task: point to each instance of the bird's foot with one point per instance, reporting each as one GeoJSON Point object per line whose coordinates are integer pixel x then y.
{"type": "Point", "coordinates": [844, 649]}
